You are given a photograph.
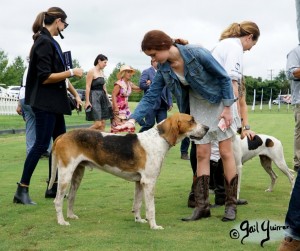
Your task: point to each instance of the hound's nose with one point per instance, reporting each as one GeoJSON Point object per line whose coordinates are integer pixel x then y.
{"type": "Point", "coordinates": [206, 128]}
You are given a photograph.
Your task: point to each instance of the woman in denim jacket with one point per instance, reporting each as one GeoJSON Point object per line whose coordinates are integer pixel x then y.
{"type": "Point", "coordinates": [200, 83]}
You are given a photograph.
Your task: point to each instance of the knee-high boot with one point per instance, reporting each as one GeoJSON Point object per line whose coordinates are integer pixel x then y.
{"type": "Point", "coordinates": [193, 161]}
{"type": "Point", "coordinates": [220, 194]}
{"type": "Point", "coordinates": [201, 190]}
{"type": "Point", "coordinates": [231, 199]}
{"type": "Point", "coordinates": [191, 198]}
{"type": "Point", "coordinates": [51, 193]}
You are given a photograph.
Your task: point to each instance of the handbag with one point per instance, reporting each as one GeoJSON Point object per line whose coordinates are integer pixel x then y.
{"type": "Point", "coordinates": [89, 114]}
{"type": "Point", "coordinates": [73, 103]}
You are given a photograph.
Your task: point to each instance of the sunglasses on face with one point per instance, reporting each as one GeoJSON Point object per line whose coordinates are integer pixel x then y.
{"type": "Point", "coordinates": [65, 23]}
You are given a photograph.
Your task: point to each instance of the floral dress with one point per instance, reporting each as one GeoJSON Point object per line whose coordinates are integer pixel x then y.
{"type": "Point", "coordinates": [122, 103]}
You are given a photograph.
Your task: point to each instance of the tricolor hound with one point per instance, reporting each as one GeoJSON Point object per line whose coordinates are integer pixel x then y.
{"type": "Point", "coordinates": [269, 149]}
{"type": "Point", "coordinates": [134, 157]}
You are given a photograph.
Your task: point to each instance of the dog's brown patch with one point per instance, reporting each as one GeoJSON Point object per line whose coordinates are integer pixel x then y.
{"type": "Point", "coordinates": [122, 151]}
{"type": "Point", "coordinates": [269, 143]}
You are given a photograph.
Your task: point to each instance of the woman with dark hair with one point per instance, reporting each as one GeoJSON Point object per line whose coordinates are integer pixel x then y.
{"type": "Point", "coordinates": [201, 84]}
{"type": "Point", "coordinates": [46, 92]}
{"type": "Point", "coordinates": [98, 107]}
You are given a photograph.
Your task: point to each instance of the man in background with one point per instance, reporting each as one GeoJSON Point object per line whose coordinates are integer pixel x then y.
{"type": "Point", "coordinates": [292, 219]}
{"type": "Point", "coordinates": [163, 104]}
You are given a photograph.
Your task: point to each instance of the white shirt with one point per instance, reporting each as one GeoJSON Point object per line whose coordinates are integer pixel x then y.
{"type": "Point", "coordinates": [229, 53]}
{"type": "Point", "coordinates": [22, 89]}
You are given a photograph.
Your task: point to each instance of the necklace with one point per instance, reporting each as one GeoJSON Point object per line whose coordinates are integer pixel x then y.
{"type": "Point", "coordinates": [98, 72]}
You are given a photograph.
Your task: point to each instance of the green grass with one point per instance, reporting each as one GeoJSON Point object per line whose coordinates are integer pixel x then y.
{"type": "Point", "coordinates": [16, 121]}
{"type": "Point", "coordinates": [104, 202]}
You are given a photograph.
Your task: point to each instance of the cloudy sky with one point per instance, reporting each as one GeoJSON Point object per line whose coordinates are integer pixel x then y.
{"type": "Point", "coordinates": [116, 28]}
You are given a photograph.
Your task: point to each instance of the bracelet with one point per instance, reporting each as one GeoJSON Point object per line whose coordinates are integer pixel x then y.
{"type": "Point", "coordinates": [72, 72]}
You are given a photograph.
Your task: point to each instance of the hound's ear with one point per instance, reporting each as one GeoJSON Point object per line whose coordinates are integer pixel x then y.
{"type": "Point", "coordinates": [169, 130]}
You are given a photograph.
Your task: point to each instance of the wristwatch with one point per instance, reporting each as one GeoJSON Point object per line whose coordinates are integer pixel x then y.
{"type": "Point", "coordinates": [246, 127]}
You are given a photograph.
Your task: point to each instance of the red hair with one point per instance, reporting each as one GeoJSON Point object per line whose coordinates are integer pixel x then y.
{"type": "Point", "coordinates": [156, 40]}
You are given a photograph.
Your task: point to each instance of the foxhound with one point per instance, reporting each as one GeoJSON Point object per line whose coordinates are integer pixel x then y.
{"type": "Point", "coordinates": [269, 149]}
{"type": "Point", "coordinates": [133, 157]}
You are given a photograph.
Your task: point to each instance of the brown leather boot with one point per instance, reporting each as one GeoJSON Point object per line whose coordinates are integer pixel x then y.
{"type": "Point", "coordinates": [201, 191]}
{"type": "Point", "coordinates": [289, 244]}
{"type": "Point", "coordinates": [191, 199]}
{"type": "Point", "coordinates": [231, 199]}
{"type": "Point", "coordinates": [218, 178]}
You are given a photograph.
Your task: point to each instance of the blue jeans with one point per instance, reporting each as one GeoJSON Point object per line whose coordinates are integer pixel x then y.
{"type": "Point", "coordinates": [293, 214]}
{"type": "Point", "coordinates": [185, 143]}
{"type": "Point", "coordinates": [48, 125]}
{"type": "Point", "coordinates": [158, 115]}
{"type": "Point", "coordinates": [29, 117]}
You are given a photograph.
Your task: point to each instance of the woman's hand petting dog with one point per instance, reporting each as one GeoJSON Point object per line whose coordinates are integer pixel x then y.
{"type": "Point", "coordinates": [247, 133]}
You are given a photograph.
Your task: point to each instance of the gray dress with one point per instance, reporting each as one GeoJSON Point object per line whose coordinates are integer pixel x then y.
{"type": "Point", "coordinates": [101, 106]}
{"type": "Point", "coordinates": [208, 114]}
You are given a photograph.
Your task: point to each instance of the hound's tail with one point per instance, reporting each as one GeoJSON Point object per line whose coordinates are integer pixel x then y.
{"type": "Point", "coordinates": [54, 163]}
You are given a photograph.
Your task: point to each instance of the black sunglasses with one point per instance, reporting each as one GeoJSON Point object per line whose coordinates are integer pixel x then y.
{"type": "Point", "coordinates": [65, 23]}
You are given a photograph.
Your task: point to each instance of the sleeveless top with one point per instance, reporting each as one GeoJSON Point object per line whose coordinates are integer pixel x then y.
{"type": "Point", "coordinates": [97, 83]}
{"type": "Point", "coordinates": [101, 106]}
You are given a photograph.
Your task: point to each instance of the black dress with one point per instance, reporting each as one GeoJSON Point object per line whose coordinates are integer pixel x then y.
{"type": "Point", "coordinates": [101, 106]}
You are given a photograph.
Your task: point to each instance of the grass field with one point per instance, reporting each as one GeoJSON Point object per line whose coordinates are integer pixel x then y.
{"type": "Point", "coordinates": [104, 203]}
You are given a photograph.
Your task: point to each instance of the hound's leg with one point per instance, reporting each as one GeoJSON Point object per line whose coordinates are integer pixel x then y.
{"type": "Point", "coordinates": [75, 183]}
{"type": "Point", "coordinates": [150, 206]}
{"type": "Point", "coordinates": [266, 162]}
{"type": "Point", "coordinates": [281, 164]}
{"type": "Point", "coordinates": [64, 178]}
{"type": "Point", "coordinates": [137, 203]}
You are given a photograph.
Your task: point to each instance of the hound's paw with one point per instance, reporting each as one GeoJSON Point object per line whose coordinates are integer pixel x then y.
{"type": "Point", "coordinates": [64, 223]}
{"type": "Point", "coordinates": [140, 220]}
{"type": "Point", "coordinates": [157, 228]}
{"type": "Point", "coordinates": [73, 216]}
{"type": "Point", "coordinates": [268, 190]}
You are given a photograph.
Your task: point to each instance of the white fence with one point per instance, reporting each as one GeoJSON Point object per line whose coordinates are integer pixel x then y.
{"type": "Point", "coordinates": [8, 106]}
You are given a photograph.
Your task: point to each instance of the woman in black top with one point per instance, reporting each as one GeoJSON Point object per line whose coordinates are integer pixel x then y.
{"type": "Point", "coordinates": [96, 95]}
{"type": "Point", "coordinates": [46, 93]}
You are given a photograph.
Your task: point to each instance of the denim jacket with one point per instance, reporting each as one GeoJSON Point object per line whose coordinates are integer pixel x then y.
{"type": "Point", "coordinates": [163, 101]}
{"type": "Point", "coordinates": [203, 73]}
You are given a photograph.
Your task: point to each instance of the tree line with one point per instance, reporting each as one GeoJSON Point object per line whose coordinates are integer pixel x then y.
{"type": "Point", "coordinates": [11, 74]}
